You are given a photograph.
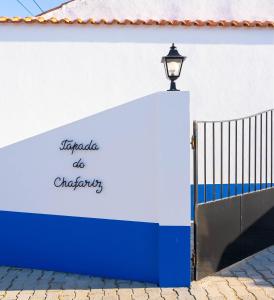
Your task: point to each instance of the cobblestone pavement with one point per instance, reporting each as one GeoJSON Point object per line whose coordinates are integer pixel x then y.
{"type": "Point", "coordinates": [253, 278]}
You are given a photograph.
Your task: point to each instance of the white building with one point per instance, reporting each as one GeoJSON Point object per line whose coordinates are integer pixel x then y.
{"type": "Point", "coordinates": [86, 57]}
{"type": "Point", "coordinates": [229, 68]}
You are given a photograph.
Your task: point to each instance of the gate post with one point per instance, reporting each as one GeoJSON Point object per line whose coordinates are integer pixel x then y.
{"type": "Point", "coordinates": [173, 188]}
{"type": "Point", "coordinates": [194, 146]}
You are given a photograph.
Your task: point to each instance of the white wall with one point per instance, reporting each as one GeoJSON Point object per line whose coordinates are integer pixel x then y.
{"type": "Point", "coordinates": [141, 164]}
{"type": "Point", "coordinates": [166, 9]}
{"type": "Point", "coordinates": [52, 75]}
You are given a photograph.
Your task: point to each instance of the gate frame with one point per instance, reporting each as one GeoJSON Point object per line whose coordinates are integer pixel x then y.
{"type": "Point", "coordinates": [268, 184]}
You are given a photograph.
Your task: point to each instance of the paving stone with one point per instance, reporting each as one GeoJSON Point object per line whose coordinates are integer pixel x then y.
{"type": "Point", "coordinates": [261, 259]}
{"type": "Point", "coordinates": [96, 291]}
{"type": "Point", "coordinates": [262, 282]}
{"type": "Point", "coordinates": [267, 254]}
{"type": "Point", "coordinates": [52, 297]}
{"type": "Point", "coordinates": [224, 272]}
{"type": "Point", "coordinates": [139, 292]}
{"type": "Point", "coordinates": [227, 291]}
{"type": "Point", "coordinates": [12, 294]}
{"type": "Point", "coordinates": [46, 275]}
{"type": "Point", "coordinates": [269, 291]}
{"type": "Point", "coordinates": [183, 293]}
{"type": "Point", "coordinates": [81, 295]}
{"type": "Point", "coordinates": [38, 294]}
{"type": "Point", "coordinates": [198, 292]}
{"type": "Point", "coordinates": [110, 284]}
{"type": "Point", "coordinates": [212, 291]}
{"type": "Point", "coordinates": [210, 279]}
{"type": "Point", "coordinates": [234, 281]}
{"type": "Point", "coordinates": [242, 292]}
{"type": "Point", "coordinates": [270, 249]}
{"type": "Point", "coordinates": [125, 297]}
{"type": "Point", "coordinates": [270, 265]}
{"type": "Point", "coordinates": [65, 297]}
{"type": "Point", "coordinates": [110, 292]}
{"type": "Point", "coordinates": [39, 285]}
{"type": "Point", "coordinates": [253, 278]}
{"type": "Point", "coordinates": [247, 297]}
{"type": "Point", "coordinates": [168, 292]}
{"type": "Point", "coordinates": [125, 294]}
{"type": "Point", "coordinates": [97, 294]}
{"type": "Point", "coordinates": [259, 294]}
{"type": "Point", "coordinates": [260, 266]}
{"type": "Point", "coordinates": [155, 296]}
{"type": "Point", "coordinates": [249, 270]}
{"type": "Point", "coordinates": [97, 283]}
{"type": "Point", "coordinates": [241, 274]}
{"type": "Point", "coordinates": [254, 275]}
{"type": "Point", "coordinates": [271, 281]}
{"type": "Point", "coordinates": [111, 297]}
{"type": "Point", "coordinates": [3, 272]}
{"type": "Point", "coordinates": [24, 296]}
{"type": "Point", "coordinates": [123, 285]}
{"type": "Point", "coordinates": [154, 293]}
{"type": "Point", "coordinates": [136, 284]}
{"type": "Point", "coordinates": [140, 297]}
{"type": "Point", "coordinates": [68, 292]}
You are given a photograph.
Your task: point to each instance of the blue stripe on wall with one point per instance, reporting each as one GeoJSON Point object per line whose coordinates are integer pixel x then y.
{"type": "Point", "coordinates": [234, 190]}
{"type": "Point", "coordinates": [99, 247]}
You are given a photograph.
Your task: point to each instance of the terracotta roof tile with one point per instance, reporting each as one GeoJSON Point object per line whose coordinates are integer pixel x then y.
{"type": "Point", "coordinates": [196, 23]}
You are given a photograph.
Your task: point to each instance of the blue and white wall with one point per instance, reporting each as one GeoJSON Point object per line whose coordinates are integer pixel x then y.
{"type": "Point", "coordinates": [55, 74]}
{"type": "Point", "coordinates": [88, 76]}
{"type": "Point", "coordinates": [134, 223]}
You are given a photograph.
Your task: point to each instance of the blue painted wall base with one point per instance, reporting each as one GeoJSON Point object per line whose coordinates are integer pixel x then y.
{"type": "Point", "coordinates": [174, 256]}
{"type": "Point", "coordinates": [108, 248]}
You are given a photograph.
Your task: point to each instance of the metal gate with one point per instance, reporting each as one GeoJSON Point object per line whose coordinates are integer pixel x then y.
{"type": "Point", "coordinates": [233, 190]}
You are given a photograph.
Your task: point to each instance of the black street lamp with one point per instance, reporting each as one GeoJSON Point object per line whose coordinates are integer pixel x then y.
{"type": "Point", "coordinates": [173, 64]}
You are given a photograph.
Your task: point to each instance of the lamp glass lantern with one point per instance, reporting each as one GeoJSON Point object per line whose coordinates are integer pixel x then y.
{"type": "Point", "coordinates": [173, 64]}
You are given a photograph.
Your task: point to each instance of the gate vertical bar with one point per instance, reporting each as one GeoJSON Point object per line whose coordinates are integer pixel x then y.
{"type": "Point", "coordinates": [255, 154]}
{"type": "Point", "coordinates": [236, 157]}
{"type": "Point", "coordinates": [228, 192]}
{"type": "Point", "coordinates": [243, 154]}
{"type": "Point", "coordinates": [213, 162]}
{"type": "Point", "coordinates": [261, 149]}
{"type": "Point", "coordinates": [221, 160]}
{"type": "Point", "coordinates": [205, 198]}
{"type": "Point", "coordinates": [271, 159]}
{"type": "Point", "coordinates": [266, 146]}
{"type": "Point", "coordinates": [249, 151]}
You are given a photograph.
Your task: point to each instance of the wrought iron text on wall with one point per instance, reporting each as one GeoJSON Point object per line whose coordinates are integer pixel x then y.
{"type": "Point", "coordinates": [78, 182]}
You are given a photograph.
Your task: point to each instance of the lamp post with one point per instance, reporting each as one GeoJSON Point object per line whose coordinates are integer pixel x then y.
{"type": "Point", "coordinates": [173, 64]}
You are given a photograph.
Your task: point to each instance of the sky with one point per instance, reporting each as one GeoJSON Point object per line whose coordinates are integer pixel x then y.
{"type": "Point", "coordinates": [11, 8]}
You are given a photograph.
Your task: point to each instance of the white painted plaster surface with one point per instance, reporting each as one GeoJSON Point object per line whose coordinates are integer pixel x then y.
{"type": "Point", "coordinates": [166, 9]}
{"type": "Point", "coordinates": [54, 75]}
{"type": "Point", "coordinates": [141, 161]}
{"type": "Point", "coordinates": [173, 189]}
